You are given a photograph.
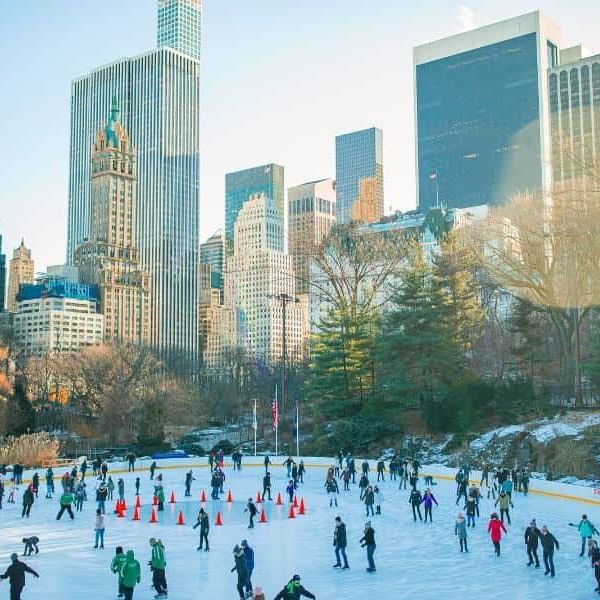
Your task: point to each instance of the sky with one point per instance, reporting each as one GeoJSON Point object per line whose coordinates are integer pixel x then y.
{"type": "Point", "coordinates": [281, 79]}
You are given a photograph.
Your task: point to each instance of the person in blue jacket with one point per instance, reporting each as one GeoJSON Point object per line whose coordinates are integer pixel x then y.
{"type": "Point", "coordinates": [586, 530]}
{"type": "Point", "coordinates": [249, 556]}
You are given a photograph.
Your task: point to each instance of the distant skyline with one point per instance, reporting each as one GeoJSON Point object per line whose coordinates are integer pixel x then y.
{"type": "Point", "coordinates": [280, 81]}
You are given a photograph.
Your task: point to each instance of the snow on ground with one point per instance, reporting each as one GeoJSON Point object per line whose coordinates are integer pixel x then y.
{"type": "Point", "coordinates": [413, 559]}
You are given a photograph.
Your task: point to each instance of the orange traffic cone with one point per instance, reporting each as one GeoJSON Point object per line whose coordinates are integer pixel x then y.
{"type": "Point", "coordinates": [219, 521]}
{"type": "Point", "coordinates": [123, 505]}
{"type": "Point", "coordinates": [153, 518]}
{"type": "Point", "coordinates": [136, 514]}
{"type": "Point", "coordinates": [121, 513]}
{"type": "Point", "coordinates": [263, 516]}
{"type": "Point", "coordinates": [203, 497]}
{"type": "Point", "coordinates": [180, 520]}
{"type": "Point", "coordinates": [172, 500]}
{"type": "Point", "coordinates": [154, 501]}
{"type": "Point", "coordinates": [138, 502]}
{"type": "Point", "coordinates": [117, 506]}
{"type": "Point", "coordinates": [229, 496]}
{"type": "Point", "coordinates": [295, 503]}
{"type": "Point", "coordinates": [279, 502]}
{"type": "Point", "coordinates": [291, 515]}
{"type": "Point", "coordinates": [301, 510]}
{"type": "Point", "coordinates": [258, 498]}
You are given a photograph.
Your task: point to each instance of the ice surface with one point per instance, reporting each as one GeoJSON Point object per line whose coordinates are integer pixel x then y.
{"type": "Point", "coordinates": [413, 559]}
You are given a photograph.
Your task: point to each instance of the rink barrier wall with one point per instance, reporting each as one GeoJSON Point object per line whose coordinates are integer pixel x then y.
{"type": "Point", "coordinates": [539, 487]}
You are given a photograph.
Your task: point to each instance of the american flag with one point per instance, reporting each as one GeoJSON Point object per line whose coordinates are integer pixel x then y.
{"type": "Point", "coordinates": [274, 414]}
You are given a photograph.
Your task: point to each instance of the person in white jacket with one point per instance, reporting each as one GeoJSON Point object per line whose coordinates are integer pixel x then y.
{"type": "Point", "coordinates": [378, 500]}
{"type": "Point", "coordinates": [99, 528]}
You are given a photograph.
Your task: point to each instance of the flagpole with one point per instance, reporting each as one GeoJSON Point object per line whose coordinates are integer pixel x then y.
{"type": "Point", "coordinates": [255, 424]}
{"type": "Point", "coordinates": [297, 431]}
{"type": "Point", "coordinates": [276, 424]}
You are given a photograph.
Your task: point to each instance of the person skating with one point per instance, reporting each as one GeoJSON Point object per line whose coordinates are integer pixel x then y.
{"type": "Point", "coordinates": [495, 529]}
{"type": "Point", "coordinates": [16, 576]}
{"type": "Point", "coordinates": [204, 525]}
{"type": "Point", "coordinates": [158, 565]}
{"type": "Point", "coordinates": [368, 541]}
{"type": "Point", "coordinates": [249, 556]}
{"type": "Point", "coordinates": [586, 530]}
{"type": "Point", "coordinates": [290, 489]}
{"type": "Point", "coordinates": [116, 566]}
{"type": "Point", "coordinates": [301, 471]}
{"type": "Point", "coordinates": [130, 574]}
{"type": "Point", "coordinates": [339, 543]}
{"type": "Point", "coordinates": [215, 484]}
{"type": "Point", "coordinates": [461, 490]}
{"type": "Point", "coordinates": [130, 462]}
{"type": "Point", "coordinates": [160, 496]}
{"type": "Point", "coordinates": [121, 489]}
{"type": "Point", "coordinates": [99, 527]}
{"type": "Point", "coordinates": [1, 492]}
{"type": "Point", "coordinates": [267, 462]}
{"type": "Point", "coordinates": [252, 511]}
{"type": "Point", "coordinates": [35, 483]}
{"type": "Point", "coordinates": [49, 482]}
{"type": "Point", "coordinates": [79, 496]}
{"type": "Point", "coordinates": [287, 463]}
{"type": "Point", "coordinates": [65, 504]}
{"type": "Point", "coordinates": [333, 491]}
{"type": "Point", "coordinates": [485, 474]}
{"type": "Point", "coordinates": [104, 470]}
{"type": "Point", "coordinates": [381, 470]}
{"type": "Point", "coordinates": [378, 499]}
{"type": "Point", "coordinates": [188, 482]}
{"type": "Point", "coordinates": [294, 590]}
{"type": "Point", "coordinates": [363, 484]}
{"type": "Point", "coordinates": [428, 500]}
{"type": "Point", "coordinates": [594, 554]}
{"type": "Point", "coordinates": [137, 486]}
{"type": "Point", "coordinates": [471, 509]}
{"type": "Point", "coordinates": [28, 499]}
{"type": "Point", "coordinates": [31, 544]}
{"type": "Point", "coordinates": [266, 486]}
{"type": "Point", "coordinates": [295, 474]}
{"type": "Point", "coordinates": [345, 476]}
{"type": "Point", "coordinates": [101, 496]}
{"type": "Point", "coordinates": [413, 480]}
{"type": "Point", "coordinates": [110, 486]}
{"type": "Point", "coordinates": [460, 529]}
{"type": "Point", "coordinates": [242, 571]}
{"type": "Point", "coordinates": [415, 500]}
{"type": "Point", "coordinates": [503, 502]}
{"type": "Point", "coordinates": [369, 500]}
{"type": "Point", "coordinates": [548, 542]}
{"type": "Point", "coordinates": [152, 469]}
{"type": "Point", "coordinates": [83, 469]}
{"type": "Point", "coordinates": [532, 534]}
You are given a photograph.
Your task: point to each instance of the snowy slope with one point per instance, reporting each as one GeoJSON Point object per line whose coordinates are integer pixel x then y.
{"type": "Point", "coordinates": [413, 559]}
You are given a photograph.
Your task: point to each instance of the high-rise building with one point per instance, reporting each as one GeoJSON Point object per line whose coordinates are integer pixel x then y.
{"type": "Point", "coordinates": [109, 259]}
{"type": "Point", "coordinates": [179, 25]}
{"type": "Point", "coordinates": [311, 214]}
{"type": "Point", "coordinates": [359, 176]}
{"type": "Point", "coordinates": [256, 273]}
{"type": "Point", "coordinates": [212, 253]}
{"type": "Point", "coordinates": [159, 96]}
{"type": "Point", "coordinates": [20, 270]}
{"type": "Point", "coordinates": [2, 279]}
{"type": "Point", "coordinates": [57, 315]}
{"type": "Point", "coordinates": [240, 185]}
{"type": "Point", "coordinates": [481, 113]}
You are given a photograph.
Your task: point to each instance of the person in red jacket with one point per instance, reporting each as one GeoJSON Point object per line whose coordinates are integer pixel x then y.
{"type": "Point", "coordinates": [495, 529]}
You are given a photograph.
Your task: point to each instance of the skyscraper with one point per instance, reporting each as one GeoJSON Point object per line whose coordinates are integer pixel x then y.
{"type": "Point", "coordinates": [240, 185]}
{"type": "Point", "coordinates": [359, 176]}
{"type": "Point", "coordinates": [2, 278]}
{"type": "Point", "coordinates": [159, 96]}
{"type": "Point", "coordinates": [212, 253]}
{"type": "Point", "coordinates": [109, 259]}
{"type": "Point", "coordinates": [481, 113]}
{"type": "Point", "coordinates": [179, 25]}
{"type": "Point", "coordinates": [21, 270]}
{"type": "Point", "coordinates": [311, 214]}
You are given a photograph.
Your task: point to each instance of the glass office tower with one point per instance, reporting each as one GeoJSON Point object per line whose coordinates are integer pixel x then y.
{"type": "Point", "coordinates": [481, 111]}
{"type": "Point", "coordinates": [179, 23]}
{"type": "Point", "coordinates": [359, 176]}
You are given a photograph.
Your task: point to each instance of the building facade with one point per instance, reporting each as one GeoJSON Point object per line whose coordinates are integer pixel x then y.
{"type": "Point", "coordinates": [359, 176]}
{"type": "Point", "coordinates": [256, 273]}
{"type": "Point", "coordinates": [212, 253]}
{"type": "Point", "coordinates": [159, 96]}
{"type": "Point", "coordinates": [311, 214]}
{"type": "Point", "coordinates": [481, 113]}
{"type": "Point", "coordinates": [109, 259]}
{"type": "Point", "coordinates": [57, 315]}
{"type": "Point", "coordinates": [2, 279]}
{"type": "Point", "coordinates": [241, 185]}
{"type": "Point", "coordinates": [179, 26]}
{"type": "Point", "coordinates": [21, 270]}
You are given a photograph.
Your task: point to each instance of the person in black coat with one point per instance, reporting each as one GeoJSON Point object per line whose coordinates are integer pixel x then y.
{"type": "Point", "coordinates": [532, 534]}
{"type": "Point", "coordinates": [368, 541]}
{"type": "Point", "coordinates": [548, 542]}
{"type": "Point", "coordinates": [339, 543]}
{"type": "Point", "coordinates": [266, 486]}
{"type": "Point", "coordinates": [252, 510]}
{"type": "Point", "coordinates": [242, 571]}
{"type": "Point", "coordinates": [594, 554]}
{"type": "Point", "coordinates": [31, 544]}
{"type": "Point", "coordinates": [16, 576]}
{"type": "Point", "coordinates": [415, 501]}
{"type": "Point", "coordinates": [294, 590]}
{"type": "Point", "coordinates": [204, 525]}
{"type": "Point", "coordinates": [28, 499]}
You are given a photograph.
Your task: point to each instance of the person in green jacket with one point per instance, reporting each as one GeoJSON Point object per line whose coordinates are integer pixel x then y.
{"type": "Point", "coordinates": [160, 496]}
{"type": "Point", "coordinates": [65, 504]}
{"type": "Point", "coordinates": [116, 565]}
{"type": "Point", "coordinates": [157, 565]}
{"type": "Point", "coordinates": [129, 575]}
{"type": "Point", "coordinates": [586, 531]}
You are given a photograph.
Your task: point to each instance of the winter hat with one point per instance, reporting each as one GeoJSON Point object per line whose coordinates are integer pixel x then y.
{"type": "Point", "coordinates": [236, 549]}
{"type": "Point", "coordinates": [244, 543]}
{"type": "Point", "coordinates": [294, 578]}
{"type": "Point", "coordinates": [152, 541]}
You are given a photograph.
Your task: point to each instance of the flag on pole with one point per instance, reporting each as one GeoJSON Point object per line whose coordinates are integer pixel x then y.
{"type": "Point", "coordinates": [275, 413]}
{"type": "Point", "coordinates": [254, 420]}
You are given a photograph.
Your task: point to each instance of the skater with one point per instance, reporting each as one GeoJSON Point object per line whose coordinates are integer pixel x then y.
{"type": "Point", "coordinates": [266, 486]}
{"type": "Point", "coordinates": [110, 486]}
{"type": "Point", "coordinates": [242, 571]}
{"type": "Point", "coordinates": [403, 476]}
{"type": "Point", "coordinates": [65, 504]}
{"type": "Point", "coordinates": [31, 544]}
{"type": "Point", "coordinates": [504, 502]}
{"type": "Point", "coordinates": [204, 525]}
{"type": "Point", "coordinates": [413, 480]}
{"type": "Point", "coordinates": [116, 566]}
{"type": "Point", "coordinates": [369, 500]}
{"type": "Point", "coordinates": [428, 500]}
{"type": "Point", "coordinates": [301, 471]}
{"type": "Point", "coordinates": [295, 474]}
{"type": "Point", "coordinates": [471, 508]}
{"type": "Point", "coordinates": [104, 471]}
{"type": "Point", "coordinates": [137, 486]}
{"type": "Point", "coordinates": [485, 474]}
{"type": "Point", "coordinates": [378, 499]}
{"type": "Point", "coordinates": [188, 482]}
{"type": "Point", "coordinates": [363, 484]}
{"type": "Point", "coordinates": [594, 554]}
{"type": "Point", "coordinates": [96, 467]}
{"type": "Point", "coordinates": [18, 473]}
{"type": "Point", "coordinates": [49, 482]}
{"type": "Point", "coordinates": [249, 556]}
{"type": "Point", "coordinates": [83, 469]}
{"type": "Point", "coordinates": [251, 510]}
{"type": "Point", "coordinates": [121, 489]}
{"type": "Point", "coordinates": [290, 489]}
{"type": "Point", "coordinates": [346, 479]}
{"type": "Point", "coordinates": [99, 528]}
{"type": "Point", "coordinates": [380, 470]}
{"type": "Point", "coordinates": [267, 462]}
{"type": "Point", "coordinates": [215, 484]}
{"type": "Point", "coordinates": [152, 469]}
{"type": "Point", "coordinates": [339, 543]}
{"type": "Point", "coordinates": [130, 575]}
{"type": "Point", "coordinates": [532, 534]}
{"type": "Point", "coordinates": [495, 529]}
{"type": "Point", "coordinates": [287, 463]}
{"type": "Point", "coordinates": [160, 496]}
{"type": "Point", "coordinates": [157, 566]}
{"type": "Point", "coordinates": [333, 490]}
{"type": "Point", "coordinates": [35, 483]}
{"type": "Point", "coordinates": [548, 542]}
{"type": "Point", "coordinates": [368, 541]}
{"type": "Point", "coordinates": [294, 590]}
{"type": "Point", "coordinates": [415, 500]}
{"type": "Point", "coordinates": [461, 490]}
{"type": "Point", "coordinates": [16, 576]}
{"type": "Point", "coordinates": [101, 496]}
{"type": "Point", "coordinates": [28, 499]}
{"type": "Point", "coordinates": [525, 481]}
{"type": "Point", "coordinates": [79, 496]}
{"type": "Point", "coordinates": [130, 462]}
{"type": "Point", "coordinates": [460, 529]}
{"type": "Point", "coordinates": [586, 531]}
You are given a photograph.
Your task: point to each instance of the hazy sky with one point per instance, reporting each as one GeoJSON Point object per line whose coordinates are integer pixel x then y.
{"type": "Point", "coordinates": [280, 79]}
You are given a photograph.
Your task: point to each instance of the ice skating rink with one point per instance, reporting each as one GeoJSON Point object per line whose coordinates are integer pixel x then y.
{"type": "Point", "coordinates": [414, 560]}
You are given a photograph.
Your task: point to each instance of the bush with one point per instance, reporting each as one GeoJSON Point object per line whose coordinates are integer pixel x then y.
{"type": "Point", "coordinates": [224, 445]}
{"type": "Point", "coordinates": [192, 448]}
{"type": "Point", "coordinates": [30, 450]}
